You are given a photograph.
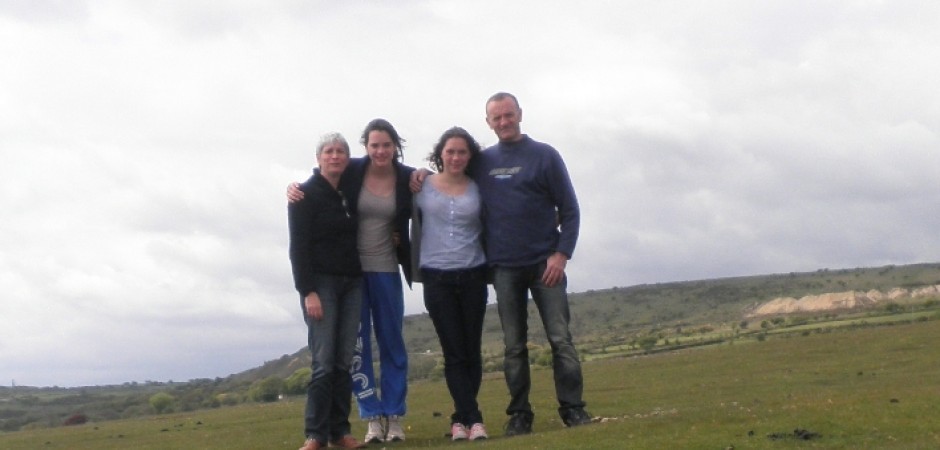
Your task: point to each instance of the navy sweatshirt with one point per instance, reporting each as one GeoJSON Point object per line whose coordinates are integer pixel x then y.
{"type": "Point", "coordinates": [527, 193]}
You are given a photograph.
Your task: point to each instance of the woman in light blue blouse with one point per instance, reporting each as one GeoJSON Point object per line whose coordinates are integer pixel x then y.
{"type": "Point", "coordinates": [447, 231]}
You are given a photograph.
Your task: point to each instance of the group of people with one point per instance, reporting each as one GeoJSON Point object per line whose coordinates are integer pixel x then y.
{"type": "Point", "coordinates": [507, 215]}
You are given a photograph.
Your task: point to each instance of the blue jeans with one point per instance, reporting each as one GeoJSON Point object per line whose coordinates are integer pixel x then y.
{"type": "Point", "coordinates": [383, 306]}
{"type": "Point", "coordinates": [332, 340]}
{"type": "Point", "coordinates": [456, 302]}
{"type": "Point", "coordinates": [512, 286]}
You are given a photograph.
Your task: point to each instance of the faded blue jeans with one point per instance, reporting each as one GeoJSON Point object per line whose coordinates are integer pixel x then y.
{"type": "Point", "coordinates": [512, 287]}
{"type": "Point", "coordinates": [332, 340]}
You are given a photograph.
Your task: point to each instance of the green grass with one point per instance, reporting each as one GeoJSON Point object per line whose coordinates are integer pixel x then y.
{"type": "Point", "coordinates": [868, 387]}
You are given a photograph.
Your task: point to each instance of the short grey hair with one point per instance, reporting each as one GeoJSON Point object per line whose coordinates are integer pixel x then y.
{"type": "Point", "coordinates": [330, 138]}
{"type": "Point", "coordinates": [502, 96]}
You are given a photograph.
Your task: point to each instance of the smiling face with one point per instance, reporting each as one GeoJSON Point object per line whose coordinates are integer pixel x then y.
{"type": "Point", "coordinates": [333, 159]}
{"type": "Point", "coordinates": [455, 156]}
{"type": "Point", "coordinates": [381, 148]}
{"type": "Point", "coordinates": [503, 116]}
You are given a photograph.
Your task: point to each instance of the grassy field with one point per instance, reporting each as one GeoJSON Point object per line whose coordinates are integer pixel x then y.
{"type": "Point", "coordinates": [868, 387]}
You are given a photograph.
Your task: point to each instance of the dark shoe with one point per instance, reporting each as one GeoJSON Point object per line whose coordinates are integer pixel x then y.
{"type": "Point", "coordinates": [347, 442]}
{"type": "Point", "coordinates": [519, 423]}
{"type": "Point", "coordinates": [573, 417]}
{"type": "Point", "coordinates": [311, 444]}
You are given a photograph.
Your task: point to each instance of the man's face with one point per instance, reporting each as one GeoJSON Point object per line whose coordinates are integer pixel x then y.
{"type": "Point", "coordinates": [503, 117]}
{"type": "Point", "coordinates": [380, 148]}
{"type": "Point", "coordinates": [333, 159]}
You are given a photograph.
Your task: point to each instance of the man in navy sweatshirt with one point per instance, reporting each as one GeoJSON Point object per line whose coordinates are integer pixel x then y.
{"type": "Point", "coordinates": [531, 218]}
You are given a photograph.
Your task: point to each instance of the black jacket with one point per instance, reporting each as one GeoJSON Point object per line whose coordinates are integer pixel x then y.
{"type": "Point", "coordinates": [351, 185]}
{"type": "Point", "coordinates": [323, 232]}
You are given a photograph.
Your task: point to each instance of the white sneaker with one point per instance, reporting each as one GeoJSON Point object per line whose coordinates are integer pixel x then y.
{"type": "Point", "coordinates": [458, 432]}
{"type": "Point", "coordinates": [478, 431]}
{"type": "Point", "coordinates": [375, 432]}
{"type": "Point", "coordinates": [394, 432]}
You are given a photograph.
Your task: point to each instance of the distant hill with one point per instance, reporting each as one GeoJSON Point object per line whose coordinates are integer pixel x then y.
{"type": "Point", "coordinates": [618, 313]}
{"type": "Point", "coordinates": [615, 322]}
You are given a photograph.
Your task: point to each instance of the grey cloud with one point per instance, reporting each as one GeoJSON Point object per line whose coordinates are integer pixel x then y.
{"type": "Point", "coordinates": [146, 151]}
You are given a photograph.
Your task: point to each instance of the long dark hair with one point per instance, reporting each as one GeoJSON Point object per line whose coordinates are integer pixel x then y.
{"type": "Point", "coordinates": [435, 159]}
{"type": "Point", "coordinates": [384, 125]}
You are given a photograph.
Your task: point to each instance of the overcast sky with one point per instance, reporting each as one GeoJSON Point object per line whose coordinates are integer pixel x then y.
{"type": "Point", "coordinates": [146, 147]}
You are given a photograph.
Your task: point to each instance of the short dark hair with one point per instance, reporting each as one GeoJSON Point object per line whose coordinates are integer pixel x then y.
{"type": "Point", "coordinates": [384, 125]}
{"type": "Point", "coordinates": [435, 159]}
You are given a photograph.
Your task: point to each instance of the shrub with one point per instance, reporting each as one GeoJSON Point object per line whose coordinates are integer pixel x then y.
{"type": "Point", "coordinates": [544, 358]}
{"type": "Point", "coordinates": [437, 372]}
{"type": "Point", "coordinates": [422, 365]}
{"type": "Point", "coordinates": [647, 343]}
{"type": "Point", "coordinates": [296, 384]}
{"type": "Point", "coordinates": [492, 365]}
{"type": "Point", "coordinates": [227, 399]}
{"type": "Point", "coordinates": [162, 402]}
{"type": "Point", "coordinates": [266, 390]}
{"type": "Point", "coordinates": [894, 308]}
{"type": "Point", "coordinates": [76, 419]}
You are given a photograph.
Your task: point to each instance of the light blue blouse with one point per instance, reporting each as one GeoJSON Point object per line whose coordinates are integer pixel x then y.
{"type": "Point", "coordinates": [450, 228]}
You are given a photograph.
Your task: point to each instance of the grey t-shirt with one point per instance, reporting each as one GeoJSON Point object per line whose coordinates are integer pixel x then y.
{"type": "Point", "coordinates": [376, 219]}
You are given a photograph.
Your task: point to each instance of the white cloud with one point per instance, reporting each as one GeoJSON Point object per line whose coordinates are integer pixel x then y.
{"type": "Point", "coordinates": [146, 150]}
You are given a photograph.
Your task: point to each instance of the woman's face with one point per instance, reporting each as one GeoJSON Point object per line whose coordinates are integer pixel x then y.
{"type": "Point", "coordinates": [333, 160]}
{"type": "Point", "coordinates": [455, 155]}
{"type": "Point", "coordinates": [380, 148]}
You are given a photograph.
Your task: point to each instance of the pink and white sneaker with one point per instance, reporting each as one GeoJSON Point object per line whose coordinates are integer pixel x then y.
{"type": "Point", "coordinates": [478, 431]}
{"type": "Point", "coordinates": [458, 432]}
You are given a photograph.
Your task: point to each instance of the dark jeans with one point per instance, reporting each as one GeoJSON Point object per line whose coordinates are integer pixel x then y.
{"type": "Point", "coordinates": [512, 286]}
{"type": "Point", "coordinates": [332, 340]}
{"type": "Point", "coordinates": [456, 302]}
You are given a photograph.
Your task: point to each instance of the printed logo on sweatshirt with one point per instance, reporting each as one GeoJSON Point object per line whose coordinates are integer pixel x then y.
{"type": "Point", "coordinates": [501, 173]}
